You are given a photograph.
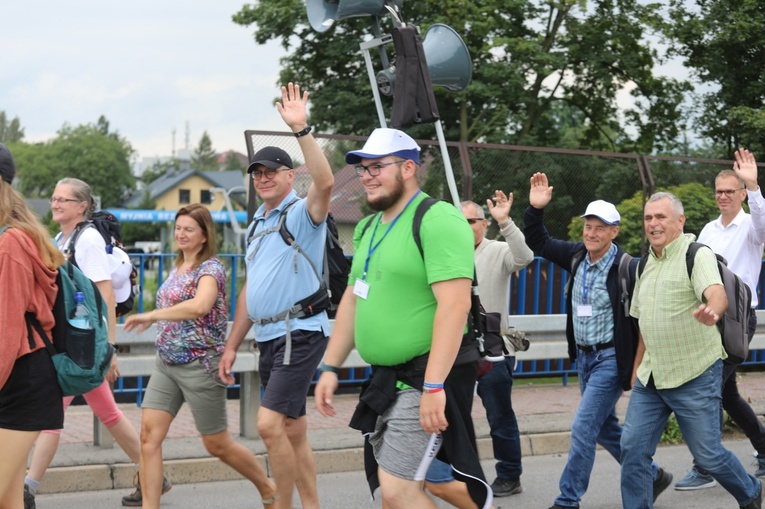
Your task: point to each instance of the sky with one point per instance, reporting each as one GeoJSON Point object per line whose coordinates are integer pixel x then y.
{"type": "Point", "coordinates": [148, 66]}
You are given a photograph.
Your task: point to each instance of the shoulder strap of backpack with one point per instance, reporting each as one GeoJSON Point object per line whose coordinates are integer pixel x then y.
{"type": "Point", "coordinates": [419, 213]}
{"type": "Point", "coordinates": [690, 257]}
{"type": "Point", "coordinates": [575, 261]}
{"type": "Point", "coordinates": [69, 253]}
{"type": "Point", "coordinates": [368, 221]}
{"type": "Point", "coordinates": [626, 280]}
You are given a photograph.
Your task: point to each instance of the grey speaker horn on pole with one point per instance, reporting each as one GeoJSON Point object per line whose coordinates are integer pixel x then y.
{"type": "Point", "coordinates": [449, 62]}
{"type": "Point", "coordinates": [323, 13]}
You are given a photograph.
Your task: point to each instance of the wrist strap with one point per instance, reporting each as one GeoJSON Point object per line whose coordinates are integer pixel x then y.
{"type": "Point", "coordinates": [302, 133]}
{"type": "Point", "coordinates": [323, 367]}
{"type": "Point", "coordinates": [504, 225]}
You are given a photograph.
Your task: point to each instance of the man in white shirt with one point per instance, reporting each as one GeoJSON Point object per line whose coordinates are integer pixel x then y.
{"type": "Point", "coordinates": [739, 237]}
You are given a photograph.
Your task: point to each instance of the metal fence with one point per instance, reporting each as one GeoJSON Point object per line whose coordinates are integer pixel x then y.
{"type": "Point", "coordinates": [578, 177]}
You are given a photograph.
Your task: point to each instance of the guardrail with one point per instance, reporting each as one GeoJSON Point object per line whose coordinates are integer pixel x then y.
{"type": "Point", "coordinates": [546, 334]}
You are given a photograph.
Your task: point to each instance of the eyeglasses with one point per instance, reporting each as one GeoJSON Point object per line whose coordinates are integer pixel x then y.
{"type": "Point", "coordinates": [474, 220]}
{"type": "Point", "coordinates": [727, 192]}
{"type": "Point", "coordinates": [268, 172]}
{"type": "Point", "coordinates": [374, 169]}
{"type": "Point", "coordinates": [62, 200]}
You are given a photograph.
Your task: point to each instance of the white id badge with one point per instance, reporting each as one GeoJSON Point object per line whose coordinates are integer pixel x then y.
{"type": "Point", "coordinates": [361, 288]}
{"type": "Point", "coordinates": [584, 310]}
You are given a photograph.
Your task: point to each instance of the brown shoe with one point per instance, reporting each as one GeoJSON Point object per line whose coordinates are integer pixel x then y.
{"type": "Point", "coordinates": [135, 499]}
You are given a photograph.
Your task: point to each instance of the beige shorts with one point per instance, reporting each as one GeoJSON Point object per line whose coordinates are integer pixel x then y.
{"type": "Point", "coordinates": [170, 386]}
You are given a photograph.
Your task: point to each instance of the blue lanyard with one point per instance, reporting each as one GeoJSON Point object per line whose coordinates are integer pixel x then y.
{"type": "Point", "coordinates": [585, 288]}
{"type": "Point", "coordinates": [372, 249]}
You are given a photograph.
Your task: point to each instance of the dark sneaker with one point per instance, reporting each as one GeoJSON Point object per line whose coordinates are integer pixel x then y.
{"type": "Point", "coordinates": [760, 472]}
{"type": "Point", "coordinates": [695, 480]}
{"type": "Point", "coordinates": [29, 499]}
{"type": "Point", "coordinates": [661, 483]}
{"type": "Point", "coordinates": [756, 503]}
{"type": "Point", "coordinates": [135, 499]}
{"type": "Point", "coordinates": [556, 506]}
{"type": "Point", "coordinates": [506, 487]}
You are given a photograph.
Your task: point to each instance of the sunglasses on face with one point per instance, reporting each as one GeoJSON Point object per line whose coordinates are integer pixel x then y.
{"type": "Point", "coordinates": [474, 220]}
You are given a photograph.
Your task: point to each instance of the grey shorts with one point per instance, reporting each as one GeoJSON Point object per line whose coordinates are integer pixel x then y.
{"type": "Point", "coordinates": [170, 386]}
{"type": "Point", "coordinates": [402, 448]}
{"type": "Point", "coordinates": [286, 387]}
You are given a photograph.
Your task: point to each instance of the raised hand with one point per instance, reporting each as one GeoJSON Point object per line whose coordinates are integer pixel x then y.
{"type": "Point", "coordinates": [293, 107]}
{"type": "Point", "coordinates": [540, 192]}
{"type": "Point", "coordinates": [746, 168]}
{"type": "Point", "coordinates": [499, 206]}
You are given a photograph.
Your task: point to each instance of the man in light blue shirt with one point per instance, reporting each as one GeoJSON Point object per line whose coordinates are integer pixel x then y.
{"type": "Point", "coordinates": [291, 333]}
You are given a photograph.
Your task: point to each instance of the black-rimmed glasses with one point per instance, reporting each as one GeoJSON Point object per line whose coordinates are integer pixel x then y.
{"type": "Point", "coordinates": [374, 169]}
{"type": "Point", "coordinates": [268, 172]}
{"type": "Point", "coordinates": [727, 192]}
{"type": "Point", "coordinates": [474, 220]}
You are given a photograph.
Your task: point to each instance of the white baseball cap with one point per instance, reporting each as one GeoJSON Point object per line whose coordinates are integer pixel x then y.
{"type": "Point", "coordinates": [604, 211]}
{"type": "Point", "coordinates": [384, 142]}
{"type": "Point", "coordinates": [120, 268]}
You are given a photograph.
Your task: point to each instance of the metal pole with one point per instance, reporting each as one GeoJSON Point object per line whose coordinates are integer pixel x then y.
{"type": "Point", "coordinates": [373, 43]}
{"type": "Point", "coordinates": [447, 164]}
{"type": "Point", "coordinates": [365, 46]}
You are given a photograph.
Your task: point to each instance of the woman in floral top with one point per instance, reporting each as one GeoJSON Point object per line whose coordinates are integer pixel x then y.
{"type": "Point", "coordinates": [191, 318]}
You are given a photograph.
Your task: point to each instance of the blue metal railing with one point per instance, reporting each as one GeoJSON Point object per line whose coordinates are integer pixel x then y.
{"type": "Point", "coordinates": [536, 290]}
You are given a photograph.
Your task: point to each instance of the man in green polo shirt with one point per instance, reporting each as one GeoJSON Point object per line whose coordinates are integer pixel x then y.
{"type": "Point", "coordinates": [678, 366]}
{"type": "Point", "coordinates": [405, 311]}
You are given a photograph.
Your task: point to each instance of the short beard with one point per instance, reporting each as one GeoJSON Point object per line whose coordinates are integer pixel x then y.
{"type": "Point", "coordinates": [383, 203]}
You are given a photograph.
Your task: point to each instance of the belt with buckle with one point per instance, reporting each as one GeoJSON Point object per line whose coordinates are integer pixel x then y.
{"type": "Point", "coordinates": [595, 348]}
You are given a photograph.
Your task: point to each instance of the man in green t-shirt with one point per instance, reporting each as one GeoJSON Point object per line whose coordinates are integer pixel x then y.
{"type": "Point", "coordinates": [405, 311]}
{"type": "Point", "coordinates": [678, 365]}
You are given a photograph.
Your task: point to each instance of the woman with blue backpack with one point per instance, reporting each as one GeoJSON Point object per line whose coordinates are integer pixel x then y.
{"type": "Point", "coordinates": [30, 397]}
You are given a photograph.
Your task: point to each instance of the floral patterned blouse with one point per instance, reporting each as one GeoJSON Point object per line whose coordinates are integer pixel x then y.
{"type": "Point", "coordinates": [182, 342]}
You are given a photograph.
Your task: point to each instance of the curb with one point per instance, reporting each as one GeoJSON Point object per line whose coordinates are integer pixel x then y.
{"type": "Point", "coordinates": [115, 476]}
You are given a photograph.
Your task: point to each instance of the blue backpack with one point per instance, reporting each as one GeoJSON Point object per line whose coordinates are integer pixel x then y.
{"type": "Point", "coordinates": [81, 356]}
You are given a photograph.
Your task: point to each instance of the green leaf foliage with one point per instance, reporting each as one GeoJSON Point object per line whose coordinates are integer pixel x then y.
{"type": "Point", "coordinates": [544, 73]}
{"type": "Point", "coordinates": [87, 152]}
{"type": "Point", "coordinates": [722, 41]}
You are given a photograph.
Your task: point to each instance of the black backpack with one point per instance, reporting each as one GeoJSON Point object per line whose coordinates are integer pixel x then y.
{"type": "Point", "coordinates": [333, 279]}
{"type": "Point", "coordinates": [109, 228]}
{"type": "Point", "coordinates": [734, 324]}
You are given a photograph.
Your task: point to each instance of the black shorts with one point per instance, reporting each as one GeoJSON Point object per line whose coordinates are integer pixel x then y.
{"type": "Point", "coordinates": [31, 399]}
{"type": "Point", "coordinates": [286, 387]}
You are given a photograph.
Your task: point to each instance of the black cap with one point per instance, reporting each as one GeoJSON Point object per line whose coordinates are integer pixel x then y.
{"type": "Point", "coordinates": [271, 157]}
{"type": "Point", "coordinates": [7, 166]}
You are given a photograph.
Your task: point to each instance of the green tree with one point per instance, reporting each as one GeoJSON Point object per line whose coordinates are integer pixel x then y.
{"type": "Point", "coordinates": [233, 162]}
{"type": "Point", "coordinates": [12, 131]}
{"type": "Point", "coordinates": [102, 159]}
{"type": "Point", "coordinates": [723, 44]}
{"type": "Point", "coordinates": [204, 157]}
{"type": "Point", "coordinates": [535, 62]}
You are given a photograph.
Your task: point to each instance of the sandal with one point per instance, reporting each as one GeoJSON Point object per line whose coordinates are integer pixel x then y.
{"type": "Point", "coordinates": [269, 501]}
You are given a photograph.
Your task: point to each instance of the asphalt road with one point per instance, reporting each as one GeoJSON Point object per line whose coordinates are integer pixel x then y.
{"type": "Point", "coordinates": [348, 490]}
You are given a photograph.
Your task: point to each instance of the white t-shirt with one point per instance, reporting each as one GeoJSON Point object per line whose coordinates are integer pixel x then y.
{"type": "Point", "coordinates": [90, 255]}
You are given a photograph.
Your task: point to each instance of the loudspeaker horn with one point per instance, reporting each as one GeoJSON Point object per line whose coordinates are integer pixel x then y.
{"type": "Point", "coordinates": [448, 58]}
{"type": "Point", "coordinates": [323, 13]}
